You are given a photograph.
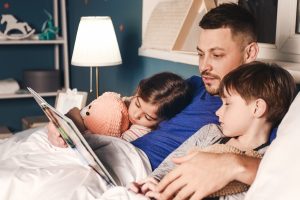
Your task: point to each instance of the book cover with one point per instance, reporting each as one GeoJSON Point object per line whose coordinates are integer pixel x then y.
{"type": "Point", "coordinates": [74, 138]}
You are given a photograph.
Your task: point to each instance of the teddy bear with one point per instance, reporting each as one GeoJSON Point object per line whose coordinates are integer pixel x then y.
{"type": "Point", "coordinates": [106, 115]}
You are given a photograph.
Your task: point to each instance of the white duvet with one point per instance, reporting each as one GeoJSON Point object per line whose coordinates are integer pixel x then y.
{"type": "Point", "coordinates": [31, 168]}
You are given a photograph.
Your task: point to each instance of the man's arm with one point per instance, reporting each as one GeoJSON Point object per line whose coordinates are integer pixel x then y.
{"type": "Point", "coordinates": [200, 174]}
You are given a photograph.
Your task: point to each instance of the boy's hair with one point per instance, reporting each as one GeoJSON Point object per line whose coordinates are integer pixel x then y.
{"type": "Point", "coordinates": [167, 90]}
{"type": "Point", "coordinates": [230, 15]}
{"type": "Point", "coordinates": [270, 82]}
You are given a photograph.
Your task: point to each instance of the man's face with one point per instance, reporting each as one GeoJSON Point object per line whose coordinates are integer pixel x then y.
{"type": "Point", "coordinates": [218, 55]}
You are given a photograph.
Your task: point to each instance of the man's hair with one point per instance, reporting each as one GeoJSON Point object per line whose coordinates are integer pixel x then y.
{"type": "Point", "coordinates": [170, 92]}
{"type": "Point", "coordinates": [228, 15]}
{"type": "Point", "coordinates": [270, 82]}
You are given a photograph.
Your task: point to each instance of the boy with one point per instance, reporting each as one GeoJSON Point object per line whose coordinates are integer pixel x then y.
{"type": "Point", "coordinates": [255, 98]}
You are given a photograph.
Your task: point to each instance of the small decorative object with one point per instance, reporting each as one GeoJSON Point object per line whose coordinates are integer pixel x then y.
{"type": "Point", "coordinates": [42, 80]}
{"type": "Point", "coordinates": [15, 30]}
{"type": "Point", "coordinates": [9, 86]}
{"type": "Point", "coordinates": [2, 37]}
{"type": "Point", "coordinates": [49, 31]}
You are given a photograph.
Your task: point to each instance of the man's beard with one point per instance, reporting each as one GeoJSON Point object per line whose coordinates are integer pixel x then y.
{"type": "Point", "coordinates": [212, 89]}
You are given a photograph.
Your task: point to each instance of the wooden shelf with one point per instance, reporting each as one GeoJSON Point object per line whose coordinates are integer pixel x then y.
{"type": "Point", "coordinates": [59, 40]}
{"type": "Point", "coordinates": [60, 49]}
{"type": "Point", "coordinates": [18, 96]}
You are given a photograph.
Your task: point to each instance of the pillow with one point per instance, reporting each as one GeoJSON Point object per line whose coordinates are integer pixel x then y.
{"type": "Point", "coordinates": [278, 175]}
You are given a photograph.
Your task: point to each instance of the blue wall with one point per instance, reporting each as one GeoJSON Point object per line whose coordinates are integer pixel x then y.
{"type": "Point", "coordinates": [122, 78]}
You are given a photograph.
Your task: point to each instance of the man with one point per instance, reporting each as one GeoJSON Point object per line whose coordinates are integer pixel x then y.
{"type": "Point", "coordinates": [227, 39]}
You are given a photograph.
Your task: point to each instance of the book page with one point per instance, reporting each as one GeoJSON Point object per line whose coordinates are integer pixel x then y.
{"type": "Point", "coordinates": [74, 138]}
{"type": "Point", "coordinates": [165, 23]}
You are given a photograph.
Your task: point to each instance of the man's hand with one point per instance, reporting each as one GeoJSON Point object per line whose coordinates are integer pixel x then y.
{"type": "Point", "coordinates": [54, 136]}
{"type": "Point", "coordinates": [198, 175]}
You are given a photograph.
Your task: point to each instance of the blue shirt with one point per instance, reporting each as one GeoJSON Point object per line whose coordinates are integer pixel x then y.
{"type": "Point", "coordinates": [158, 144]}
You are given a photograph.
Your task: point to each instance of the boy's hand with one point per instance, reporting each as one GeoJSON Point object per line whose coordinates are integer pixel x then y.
{"type": "Point", "coordinates": [54, 136]}
{"type": "Point", "coordinates": [145, 187]}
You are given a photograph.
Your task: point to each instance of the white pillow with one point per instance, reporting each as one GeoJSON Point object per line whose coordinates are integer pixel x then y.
{"type": "Point", "coordinates": [278, 175]}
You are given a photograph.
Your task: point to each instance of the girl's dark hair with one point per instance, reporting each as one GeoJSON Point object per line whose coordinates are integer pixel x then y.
{"type": "Point", "coordinates": [273, 84]}
{"type": "Point", "coordinates": [167, 90]}
{"type": "Point", "coordinates": [229, 15]}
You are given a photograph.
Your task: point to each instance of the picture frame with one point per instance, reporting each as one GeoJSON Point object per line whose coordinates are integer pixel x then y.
{"type": "Point", "coordinates": [65, 100]}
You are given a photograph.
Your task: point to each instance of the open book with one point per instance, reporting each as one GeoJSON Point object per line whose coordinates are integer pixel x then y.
{"type": "Point", "coordinates": [74, 138]}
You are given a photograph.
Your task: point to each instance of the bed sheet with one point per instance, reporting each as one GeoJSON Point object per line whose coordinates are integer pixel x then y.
{"type": "Point", "coordinates": [32, 168]}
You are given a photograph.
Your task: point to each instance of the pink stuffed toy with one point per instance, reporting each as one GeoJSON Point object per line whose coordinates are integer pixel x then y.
{"type": "Point", "coordinates": [106, 115]}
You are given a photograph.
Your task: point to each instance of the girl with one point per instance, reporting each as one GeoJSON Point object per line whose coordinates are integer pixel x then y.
{"type": "Point", "coordinates": [157, 98]}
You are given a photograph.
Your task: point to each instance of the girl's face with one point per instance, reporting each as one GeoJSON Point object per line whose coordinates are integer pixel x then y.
{"type": "Point", "coordinates": [235, 115]}
{"type": "Point", "coordinates": [142, 113]}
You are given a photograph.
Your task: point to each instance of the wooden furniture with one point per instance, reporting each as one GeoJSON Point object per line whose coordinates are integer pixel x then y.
{"type": "Point", "coordinates": [59, 41]}
{"type": "Point", "coordinates": [4, 132]}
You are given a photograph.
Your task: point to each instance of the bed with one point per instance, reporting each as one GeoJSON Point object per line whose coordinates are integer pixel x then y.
{"type": "Point", "coordinates": [31, 168]}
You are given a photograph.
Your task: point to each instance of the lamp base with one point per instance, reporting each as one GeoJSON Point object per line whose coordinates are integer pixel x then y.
{"type": "Point", "coordinates": [97, 82]}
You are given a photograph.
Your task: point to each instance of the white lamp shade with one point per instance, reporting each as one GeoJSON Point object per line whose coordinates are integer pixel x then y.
{"type": "Point", "coordinates": [96, 43]}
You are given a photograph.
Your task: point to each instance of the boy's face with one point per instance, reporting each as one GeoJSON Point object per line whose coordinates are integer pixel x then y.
{"type": "Point", "coordinates": [235, 115]}
{"type": "Point", "coordinates": [142, 113]}
{"type": "Point", "coordinates": [218, 55]}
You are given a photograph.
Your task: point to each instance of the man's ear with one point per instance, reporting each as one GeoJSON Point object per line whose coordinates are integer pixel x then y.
{"type": "Point", "coordinates": [259, 108]}
{"type": "Point", "coordinates": [251, 52]}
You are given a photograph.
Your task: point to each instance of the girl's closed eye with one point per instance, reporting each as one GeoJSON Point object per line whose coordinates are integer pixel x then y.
{"type": "Point", "coordinates": [149, 118]}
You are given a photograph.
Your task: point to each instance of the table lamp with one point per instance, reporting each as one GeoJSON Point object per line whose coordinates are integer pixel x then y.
{"type": "Point", "coordinates": [96, 45]}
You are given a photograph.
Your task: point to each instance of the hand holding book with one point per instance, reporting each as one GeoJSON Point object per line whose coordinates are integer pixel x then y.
{"type": "Point", "coordinates": [54, 136]}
